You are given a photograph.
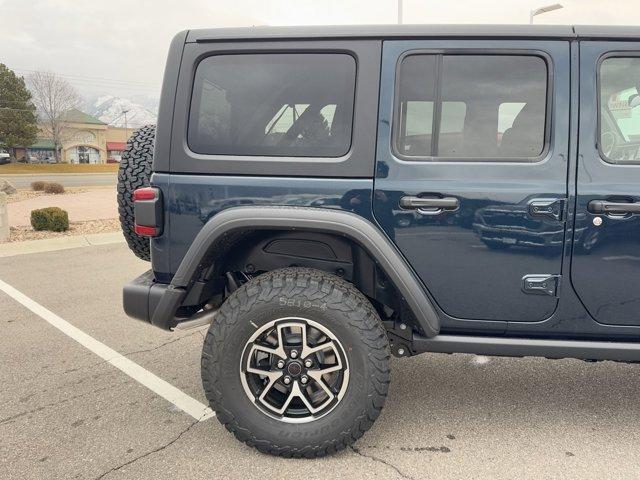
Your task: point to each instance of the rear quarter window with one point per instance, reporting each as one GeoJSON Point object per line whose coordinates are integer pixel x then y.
{"type": "Point", "coordinates": [289, 104]}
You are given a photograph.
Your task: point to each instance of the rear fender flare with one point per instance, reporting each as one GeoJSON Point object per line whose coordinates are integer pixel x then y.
{"type": "Point", "coordinates": [347, 224]}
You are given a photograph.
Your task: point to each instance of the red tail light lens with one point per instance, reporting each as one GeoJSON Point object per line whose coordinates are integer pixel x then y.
{"type": "Point", "coordinates": [145, 231]}
{"type": "Point", "coordinates": [146, 193]}
{"type": "Point", "coordinates": [147, 208]}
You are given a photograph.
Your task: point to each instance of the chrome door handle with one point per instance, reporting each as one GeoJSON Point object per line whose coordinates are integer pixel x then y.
{"type": "Point", "coordinates": [614, 208]}
{"type": "Point", "coordinates": [430, 205]}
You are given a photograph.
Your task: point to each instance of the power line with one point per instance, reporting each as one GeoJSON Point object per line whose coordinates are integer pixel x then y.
{"type": "Point", "coordinates": [98, 80]}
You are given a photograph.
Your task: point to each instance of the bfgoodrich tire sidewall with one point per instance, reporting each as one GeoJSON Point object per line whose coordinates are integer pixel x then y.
{"type": "Point", "coordinates": [297, 435]}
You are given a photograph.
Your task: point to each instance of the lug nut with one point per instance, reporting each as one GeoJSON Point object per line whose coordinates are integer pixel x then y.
{"type": "Point", "coordinates": [401, 351]}
{"type": "Point", "coordinates": [287, 380]}
{"type": "Point", "coordinates": [308, 363]}
{"type": "Point", "coordinates": [280, 364]}
{"type": "Point", "coordinates": [304, 379]}
{"type": "Point", "coordinates": [294, 354]}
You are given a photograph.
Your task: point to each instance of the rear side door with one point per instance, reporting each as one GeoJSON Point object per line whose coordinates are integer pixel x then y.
{"type": "Point", "coordinates": [606, 254]}
{"type": "Point", "coordinates": [472, 170]}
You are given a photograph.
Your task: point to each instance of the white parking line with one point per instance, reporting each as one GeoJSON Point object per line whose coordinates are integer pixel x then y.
{"type": "Point", "coordinates": [184, 402]}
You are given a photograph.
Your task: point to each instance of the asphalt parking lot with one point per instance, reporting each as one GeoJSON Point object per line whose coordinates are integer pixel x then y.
{"type": "Point", "coordinates": [67, 413]}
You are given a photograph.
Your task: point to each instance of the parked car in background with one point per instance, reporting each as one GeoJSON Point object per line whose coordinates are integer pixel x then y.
{"type": "Point", "coordinates": [4, 158]}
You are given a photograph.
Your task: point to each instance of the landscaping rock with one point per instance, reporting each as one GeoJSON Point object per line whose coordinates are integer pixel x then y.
{"type": "Point", "coordinates": [6, 187]}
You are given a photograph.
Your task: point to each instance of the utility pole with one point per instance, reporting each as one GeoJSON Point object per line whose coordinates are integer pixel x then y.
{"type": "Point", "coordinates": [541, 10]}
{"type": "Point", "coordinates": [399, 12]}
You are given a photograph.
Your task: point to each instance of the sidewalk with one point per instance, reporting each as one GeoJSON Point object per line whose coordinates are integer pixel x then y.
{"type": "Point", "coordinates": [93, 205]}
{"type": "Point", "coordinates": [59, 243]}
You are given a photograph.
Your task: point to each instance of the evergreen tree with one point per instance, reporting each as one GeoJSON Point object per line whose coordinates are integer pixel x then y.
{"type": "Point", "coordinates": [18, 120]}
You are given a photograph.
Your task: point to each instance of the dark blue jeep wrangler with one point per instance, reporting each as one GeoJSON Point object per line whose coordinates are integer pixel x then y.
{"type": "Point", "coordinates": [326, 197]}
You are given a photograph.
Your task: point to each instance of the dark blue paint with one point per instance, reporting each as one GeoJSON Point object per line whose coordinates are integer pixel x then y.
{"type": "Point", "coordinates": [452, 252]}
{"type": "Point", "coordinates": [606, 274]}
{"type": "Point", "coordinates": [194, 199]}
{"type": "Point", "coordinates": [476, 288]}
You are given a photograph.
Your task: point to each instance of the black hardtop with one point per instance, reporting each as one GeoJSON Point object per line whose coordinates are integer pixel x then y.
{"type": "Point", "coordinates": [413, 32]}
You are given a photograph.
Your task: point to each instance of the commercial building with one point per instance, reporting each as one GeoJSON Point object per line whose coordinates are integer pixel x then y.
{"type": "Point", "coordinates": [84, 138]}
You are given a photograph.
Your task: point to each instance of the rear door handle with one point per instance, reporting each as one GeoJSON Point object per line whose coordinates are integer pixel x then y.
{"type": "Point", "coordinates": [614, 208]}
{"type": "Point", "coordinates": [430, 205]}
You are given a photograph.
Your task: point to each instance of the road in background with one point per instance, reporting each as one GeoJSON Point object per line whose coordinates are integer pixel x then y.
{"type": "Point", "coordinates": [66, 413]}
{"type": "Point", "coordinates": [66, 179]}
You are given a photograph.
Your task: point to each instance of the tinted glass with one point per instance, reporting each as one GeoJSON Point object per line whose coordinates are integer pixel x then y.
{"type": "Point", "coordinates": [273, 105]}
{"type": "Point", "coordinates": [620, 110]}
{"type": "Point", "coordinates": [490, 106]}
{"type": "Point", "coordinates": [417, 90]}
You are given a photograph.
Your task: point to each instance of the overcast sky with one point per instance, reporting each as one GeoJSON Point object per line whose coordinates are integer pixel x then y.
{"type": "Point", "coordinates": [119, 46]}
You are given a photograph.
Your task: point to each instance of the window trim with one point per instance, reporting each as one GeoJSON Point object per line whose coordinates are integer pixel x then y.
{"type": "Point", "coordinates": [601, 59]}
{"type": "Point", "coordinates": [440, 53]}
{"type": "Point", "coordinates": [192, 92]}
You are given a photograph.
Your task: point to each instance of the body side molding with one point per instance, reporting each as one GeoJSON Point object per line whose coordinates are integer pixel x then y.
{"type": "Point", "coordinates": [350, 225]}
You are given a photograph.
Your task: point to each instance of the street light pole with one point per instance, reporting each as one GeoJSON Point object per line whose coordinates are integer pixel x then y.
{"type": "Point", "coordinates": [399, 12]}
{"type": "Point", "coordinates": [541, 10]}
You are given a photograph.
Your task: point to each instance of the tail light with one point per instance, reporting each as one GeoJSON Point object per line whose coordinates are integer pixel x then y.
{"type": "Point", "coordinates": [148, 211]}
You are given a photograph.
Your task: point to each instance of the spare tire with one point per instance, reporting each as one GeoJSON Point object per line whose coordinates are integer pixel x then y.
{"type": "Point", "coordinates": [134, 173]}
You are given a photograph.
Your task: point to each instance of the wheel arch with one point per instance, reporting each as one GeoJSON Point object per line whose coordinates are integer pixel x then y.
{"type": "Point", "coordinates": [223, 231]}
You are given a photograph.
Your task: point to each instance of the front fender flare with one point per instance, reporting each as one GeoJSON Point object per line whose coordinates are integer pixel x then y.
{"type": "Point", "coordinates": [347, 224]}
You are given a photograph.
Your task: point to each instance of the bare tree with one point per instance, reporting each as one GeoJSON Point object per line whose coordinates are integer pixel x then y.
{"type": "Point", "coordinates": [53, 97]}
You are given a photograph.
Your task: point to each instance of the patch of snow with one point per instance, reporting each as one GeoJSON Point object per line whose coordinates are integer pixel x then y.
{"type": "Point", "coordinates": [110, 109]}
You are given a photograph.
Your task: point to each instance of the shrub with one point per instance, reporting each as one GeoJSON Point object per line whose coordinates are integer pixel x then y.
{"type": "Point", "coordinates": [38, 186]}
{"type": "Point", "coordinates": [52, 218]}
{"type": "Point", "coordinates": [53, 188]}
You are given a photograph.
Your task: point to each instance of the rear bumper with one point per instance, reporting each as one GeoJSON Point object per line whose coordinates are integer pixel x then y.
{"type": "Point", "coordinates": [141, 296]}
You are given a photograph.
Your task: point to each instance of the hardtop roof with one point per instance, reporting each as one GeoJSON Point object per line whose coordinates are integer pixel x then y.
{"type": "Point", "coordinates": [413, 32]}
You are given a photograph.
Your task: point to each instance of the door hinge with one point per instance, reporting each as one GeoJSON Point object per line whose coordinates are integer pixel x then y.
{"type": "Point", "coordinates": [548, 207]}
{"type": "Point", "coordinates": [541, 284]}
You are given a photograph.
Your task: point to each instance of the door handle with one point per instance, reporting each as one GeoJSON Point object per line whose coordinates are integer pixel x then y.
{"type": "Point", "coordinates": [430, 205]}
{"type": "Point", "coordinates": [614, 208]}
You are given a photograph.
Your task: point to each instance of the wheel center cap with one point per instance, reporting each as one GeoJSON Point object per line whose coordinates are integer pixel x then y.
{"type": "Point", "coordinates": [294, 369]}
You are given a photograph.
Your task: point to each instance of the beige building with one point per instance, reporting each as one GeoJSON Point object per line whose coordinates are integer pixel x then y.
{"type": "Point", "coordinates": [85, 139]}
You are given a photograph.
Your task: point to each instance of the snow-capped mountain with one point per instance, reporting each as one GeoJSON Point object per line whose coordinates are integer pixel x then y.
{"type": "Point", "coordinates": [111, 110]}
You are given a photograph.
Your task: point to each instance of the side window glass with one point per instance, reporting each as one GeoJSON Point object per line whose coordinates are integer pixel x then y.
{"type": "Point", "coordinates": [298, 105]}
{"type": "Point", "coordinates": [507, 114]}
{"type": "Point", "coordinates": [620, 110]}
{"type": "Point", "coordinates": [453, 117]}
{"type": "Point", "coordinates": [479, 107]}
{"type": "Point", "coordinates": [284, 119]}
{"type": "Point", "coordinates": [416, 92]}
{"type": "Point", "coordinates": [419, 121]}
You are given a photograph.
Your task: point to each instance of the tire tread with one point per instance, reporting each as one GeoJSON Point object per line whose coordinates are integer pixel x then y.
{"type": "Point", "coordinates": [338, 295]}
{"type": "Point", "coordinates": [135, 172]}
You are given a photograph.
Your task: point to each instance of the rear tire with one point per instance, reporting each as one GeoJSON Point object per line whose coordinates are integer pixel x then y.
{"type": "Point", "coordinates": [276, 308]}
{"type": "Point", "coordinates": [134, 172]}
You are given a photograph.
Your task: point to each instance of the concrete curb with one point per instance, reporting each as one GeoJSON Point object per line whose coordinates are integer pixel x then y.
{"type": "Point", "coordinates": [59, 243]}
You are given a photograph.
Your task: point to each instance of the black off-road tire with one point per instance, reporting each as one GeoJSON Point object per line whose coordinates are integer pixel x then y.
{"type": "Point", "coordinates": [134, 172]}
{"type": "Point", "coordinates": [322, 298]}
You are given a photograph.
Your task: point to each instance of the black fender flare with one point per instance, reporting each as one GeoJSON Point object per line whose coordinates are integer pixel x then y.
{"type": "Point", "coordinates": [347, 224]}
